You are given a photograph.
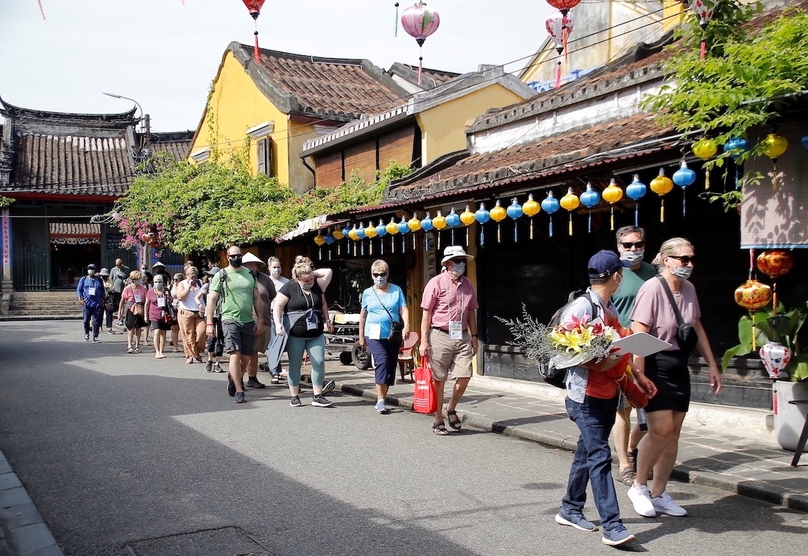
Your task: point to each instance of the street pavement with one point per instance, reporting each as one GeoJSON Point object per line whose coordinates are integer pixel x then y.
{"type": "Point", "coordinates": [122, 454]}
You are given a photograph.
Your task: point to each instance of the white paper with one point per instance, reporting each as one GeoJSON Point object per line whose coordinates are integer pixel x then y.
{"type": "Point", "coordinates": [641, 343]}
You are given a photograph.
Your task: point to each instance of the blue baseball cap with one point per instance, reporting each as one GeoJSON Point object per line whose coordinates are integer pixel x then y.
{"type": "Point", "coordinates": [605, 263]}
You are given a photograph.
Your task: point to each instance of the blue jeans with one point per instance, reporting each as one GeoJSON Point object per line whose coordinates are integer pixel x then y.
{"type": "Point", "coordinates": [95, 314]}
{"type": "Point", "coordinates": [316, 349]}
{"type": "Point", "coordinates": [592, 462]}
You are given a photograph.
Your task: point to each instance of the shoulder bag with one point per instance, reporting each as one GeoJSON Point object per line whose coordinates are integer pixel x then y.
{"type": "Point", "coordinates": [396, 328]}
{"type": "Point", "coordinates": [686, 335]}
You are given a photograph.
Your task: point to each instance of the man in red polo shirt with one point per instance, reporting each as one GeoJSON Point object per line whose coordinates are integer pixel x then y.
{"type": "Point", "coordinates": [449, 332]}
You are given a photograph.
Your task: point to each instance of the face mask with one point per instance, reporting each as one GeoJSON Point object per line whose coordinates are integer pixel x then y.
{"type": "Point", "coordinates": [138, 282]}
{"type": "Point", "coordinates": [633, 256]}
{"type": "Point", "coordinates": [159, 285]}
{"type": "Point", "coordinates": [236, 262]}
{"type": "Point", "coordinates": [276, 272]}
{"type": "Point", "coordinates": [619, 285]}
{"type": "Point", "coordinates": [91, 273]}
{"type": "Point", "coordinates": [682, 272]}
{"type": "Point", "coordinates": [143, 270]}
{"type": "Point", "coordinates": [459, 268]}
{"type": "Point", "coordinates": [307, 287]}
{"type": "Point", "coordinates": [380, 280]}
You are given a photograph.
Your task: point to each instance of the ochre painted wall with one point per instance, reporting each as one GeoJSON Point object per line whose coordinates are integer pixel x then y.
{"type": "Point", "coordinates": [444, 126]}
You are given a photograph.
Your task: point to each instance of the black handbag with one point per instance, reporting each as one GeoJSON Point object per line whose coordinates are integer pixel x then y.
{"type": "Point", "coordinates": [686, 335]}
{"type": "Point", "coordinates": [397, 328]}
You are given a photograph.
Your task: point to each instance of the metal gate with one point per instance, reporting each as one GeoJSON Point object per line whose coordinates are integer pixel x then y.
{"type": "Point", "coordinates": [32, 271]}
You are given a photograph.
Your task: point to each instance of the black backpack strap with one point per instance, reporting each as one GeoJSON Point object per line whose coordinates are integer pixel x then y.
{"type": "Point", "coordinates": [679, 320]}
{"type": "Point", "coordinates": [592, 305]}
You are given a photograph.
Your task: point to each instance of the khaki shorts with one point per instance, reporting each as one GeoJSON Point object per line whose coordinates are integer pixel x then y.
{"type": "Point", "coordinates": [261, 342]}
{"type": "Point", "coordinates": [449, 358]}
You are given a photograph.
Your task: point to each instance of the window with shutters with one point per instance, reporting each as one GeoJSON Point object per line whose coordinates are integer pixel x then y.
{"type": "Point", "coordinates": [266, 158]}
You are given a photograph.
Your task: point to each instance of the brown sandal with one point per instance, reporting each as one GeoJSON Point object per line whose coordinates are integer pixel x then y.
{"type": "Point", "coordinates": [440, 429]}
{"type": "Point", "coordinates": [454, 420]}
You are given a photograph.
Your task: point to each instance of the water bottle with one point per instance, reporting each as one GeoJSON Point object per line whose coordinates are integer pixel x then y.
{"type": "Point", "coordinates": [641, 420]}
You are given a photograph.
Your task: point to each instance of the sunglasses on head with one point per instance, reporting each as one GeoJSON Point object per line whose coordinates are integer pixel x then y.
{"type": "Point", "coordinates": [629, 245]}
{"type": "Point", "coordinates": [684, 258]}
{"type": "Point", "coordinates": [379, 274]}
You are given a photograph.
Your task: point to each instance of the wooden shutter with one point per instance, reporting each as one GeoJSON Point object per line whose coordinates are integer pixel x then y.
{"type": "Point", "coordinates": [328, 169]}
{"type": "Point", "coordinates": [360, 160]}
{"type": "Point", "coordinates": [266, 162]}
{"type": "Point", "coordinates": [397, 145]}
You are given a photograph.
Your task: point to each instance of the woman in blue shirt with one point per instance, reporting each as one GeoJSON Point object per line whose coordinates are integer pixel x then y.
{"type": "Point", "coordinates": [382, 304]}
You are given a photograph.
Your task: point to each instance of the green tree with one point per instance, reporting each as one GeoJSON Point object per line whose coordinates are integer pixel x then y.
{"type": "Point", "coordinates": [5, 201]}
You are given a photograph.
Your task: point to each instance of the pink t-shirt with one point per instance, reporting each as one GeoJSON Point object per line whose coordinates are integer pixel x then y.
{"type": "Point", "coordinates": [134, 294]}
{"type": "Point", "coordinates": [449, 300]}
{"type": "Point", "coordinates": [653, 309]}
{"type": "Point", "coordinates": [155, 311]}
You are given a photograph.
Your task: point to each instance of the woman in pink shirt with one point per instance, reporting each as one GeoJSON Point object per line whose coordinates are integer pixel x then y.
{"type": "Point", "coordinates": [133, 298]}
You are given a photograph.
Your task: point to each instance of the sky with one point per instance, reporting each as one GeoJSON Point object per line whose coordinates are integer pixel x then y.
{"type": "Point", "coordinates": [165, 53]}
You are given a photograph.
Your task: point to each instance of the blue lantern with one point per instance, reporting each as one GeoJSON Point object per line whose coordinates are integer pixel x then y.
{"type": "Point", "coordinates": [684, 177]}
{"type": "Point", "coordinates": [515, 212]}
{"type": "Point", "coordinates": [589, 199]}
{"type": "Point", "coordinates": [482, 216]}
{"type": "Point", "coordinates": [736, 147]}
{"type": "Point", "coordinates": [453, 221]}
{"type": "Point", "coordinates": [550, 205]}
{"type": "Point", "coordinates": [426, 225]}
{"type": "Point", "coordinates": [403, 229]}
{"type": "Point", "coordinates": [635, 191]}
{"type": "Point", "coordinates": [381, 229]}
{"type": "Point", "coordinates": [329, 239]}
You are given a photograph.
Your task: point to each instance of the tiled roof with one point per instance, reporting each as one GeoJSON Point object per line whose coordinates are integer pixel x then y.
{"type": "Point", "coordinates": [332, 88]}
{"type": "Point", "coordinates": [74, 229]}
{"type": "Point", "coordinates": [177, 144]}
{"type": "Point", "coordinates": [429, 77]}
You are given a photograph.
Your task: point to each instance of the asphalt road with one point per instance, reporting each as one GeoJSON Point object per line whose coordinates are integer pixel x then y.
{"type": "Point", "coordinates": [123, 454]}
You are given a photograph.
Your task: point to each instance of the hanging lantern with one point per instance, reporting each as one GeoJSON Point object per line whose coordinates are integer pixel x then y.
{"type": "Point", "coordinates": [735, 148]}
{"type": "Point", "coordinates": [550, 205]}
{"type": "Point", "coordinates": [684, 177]}
{"type": "Point", "coordinates": [773, 146]}
{"type": "Point", "coordinates": [498, 214]}
{"type": "Point", "coordinates": [515, 212]}
{"type": "Point", "coordinates": [370, 233]}
{"type": "Point", "coordinates": [775, 358]}
{"type": "Point", "coordinates": [414, 225]}
{"type": "Point", "coordinates": [482, 216]}
{"type": "Point", "coordinates": [320, 241]}
{"type": "Point", "coordinates": [559, 27]}
{"type": "Point", "coordinates": [661, 185]}
{"type": "Point", "coordinates": [439, 222]}
{"type": "Point", "coordinates": [704, 12]}
{"type": "Point", "coordinates": [453, 221]}
{"type": "Point", "coordinates": [255, 10]}
{"type": "Point", "coordinates": [419, 22]}
{"type": "Point", "coordinates": [329, 239]}
{"type": "Point", "coordinates": [611, 195]}
{"type": "Point", "coordinates": [392, 229]}
{"type": "Point", "coordinates": [705, 149]}
{"type": "Point", "coordinates": [636, 191]}
{"type": "Point", "coordinates": [753, 295]}
{"type": "Point", "coordinates": [775, 264]}
{"type": "Point", "coordinates": [381, 229]}
{"type": "Point", "coordinates": [564, 6]}
{"type": "Point", "coordinates": [531, 208]}
{"type": "Point", "coordinates": [467, 218]}
{"type": "Point", "coordinates": [570, 202]}
{"type": "Point", "coordinates": [589, 199]}
{"type": "Point", "coordinates": [338, 234]}
{"type": "Point", "coordinates": [426, 225]}
{"type": "Point", "coordinates": [403, 229]}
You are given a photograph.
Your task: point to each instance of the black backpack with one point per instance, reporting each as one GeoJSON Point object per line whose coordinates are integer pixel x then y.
{"type": "Point", "coordinates": [555, 375]}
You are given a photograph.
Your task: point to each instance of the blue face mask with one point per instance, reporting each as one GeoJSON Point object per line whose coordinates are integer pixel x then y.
{"type": "Point", "coordinates": [138, 282]}
{"type": "Point", "coordinates": [380, 280]}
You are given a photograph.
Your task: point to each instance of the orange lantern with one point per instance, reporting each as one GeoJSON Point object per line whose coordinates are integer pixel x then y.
{"type": "Point", "coordinates": [775, 264]}
{"type": "Point", "coordinates": [753, 295]}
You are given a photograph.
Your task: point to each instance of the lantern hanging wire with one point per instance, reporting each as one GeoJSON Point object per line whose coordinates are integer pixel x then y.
{"type": "Point", "coordinates": [419, 22]}
{"type": "Point", "coordinates": [255, 10]}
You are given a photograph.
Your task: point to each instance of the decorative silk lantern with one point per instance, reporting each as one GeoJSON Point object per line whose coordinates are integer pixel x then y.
{"type": "Point", "coordinates": [775, 357]}
{"type": "Point", "coordinates": [635, 191]}
{"type": "Point", "coordinates": [589, 199]}
{"type": "Point", "coordinates": [550, 205]}
{"type": "Point", "coordinates": [705, 148]}
{"type": "Point", "coordinates": [570, 202]}
{"type": "Point", "coordinates": [684, 177]}
{"type": "Point", "coordinates": [482, 216]}
{"type": "Point", "coordinates": [735, 148]}
{"type": "Point", "coordinates": [439, 222]}
{"type": "Point", "coordinates": [467, 218]}
{"type": "Point", "coordinates": [661, 185]}
{"type": "Point", "coordinates": [611, 195]}
{"type": "Point", "coordinates": [453, 221]}
{"type": "Point", "coordinates": [414, 225]}
{"type": "Point", "coordinates": [320, 241]}
{"type": "Point", "coordinates": [775, 264]}
{"type": "Point", "coordinates": [704, 12]}
{"type": "Point", "coordinates": [498, 214]}
{"type": "Point", "coordinates": [404, 229]}
{"type": "Point", "coordinates": [338, 234]}
{"type": "Point", "coordinates": [392, 229]}
{"type": "Point", "coordinates": [559, 27]}
{"type": "Point", "coordinates": [753, 295]}
{"type": "Point", "coordinates": [515, 213]}
{"type": "Point", "coordinates": [419, 22]}
{"type": "Point", "coordinates": [773, 146]}
{"type": "Point", "coordinates": [381, 231]}
{"type": "Point", "coordinates": [531, 208]}
{"type": "Point", "coordinates": [255, 10]}
{"type": "Point", "coordinates": [426, 225]}
{"type": "Point", "coordinates": [564, 6]}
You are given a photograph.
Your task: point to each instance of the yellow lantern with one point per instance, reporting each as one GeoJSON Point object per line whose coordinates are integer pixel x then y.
{"type": "Point", "coordinates": [773, 146]}
{"type": "Point", "coordinates": [370, 231]}
{"type": "Point", "coordinates": [498, 214]}
{"type": "Point", "coordinates": [392, 227]}
{"type": "Point", "coordinates": [439, 221]}
{"type": "Point", "coordinates": [467, 218]}
{"type": "Point", "coordinates": [352, 234]}
{"type": "Point", "coordinates": [337, 233]}
{"type": "Point", "coordinates": [531, 208]}
{"type": "Point", "coordinates": [705, 148]}
{"type": "Point", "coordinates": [611, 195]}
{"type": "Point", "coordinates": [319, 240]}
{"type": "Point", "coordinates": [661, 185]}
{"type": "Point", "coordinates": [414, 224]}
{"type": "Point", "coordinates": [570, 202]}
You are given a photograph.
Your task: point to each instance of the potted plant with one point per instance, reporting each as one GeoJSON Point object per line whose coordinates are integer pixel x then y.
{"type": "Point", "coordinates": [780, 337]}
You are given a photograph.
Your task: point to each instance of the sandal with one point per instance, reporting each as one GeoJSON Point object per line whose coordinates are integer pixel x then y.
{"type": "Point", "coordinates": [440, 429]}
{"type": "Point", "coordinates": [627, 476]}
{"type": "Point", "coordinates": [189, 360]}
{"type": "Point", "coordinates": [454, 420]}
{"type": "Point", "coordinates": [130, 350]}
{"type": "Point", "coordinates": [137, 349]}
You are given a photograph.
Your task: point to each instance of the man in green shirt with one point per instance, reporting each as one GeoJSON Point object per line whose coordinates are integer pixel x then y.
{"type": "Point", "coordinates": [237, 289]}
{"type": "Point", "coordinates": [631, 246]}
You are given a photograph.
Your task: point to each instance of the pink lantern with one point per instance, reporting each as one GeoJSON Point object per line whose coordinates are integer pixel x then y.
{"type": "Point", "coordinates": [419, 22]}
{"type": "Point", "coordinates": [775, 358]}
{"type": "Point", "coordinates": [559, 27]}
{"type": "Point", "coordinates": [704, 12]}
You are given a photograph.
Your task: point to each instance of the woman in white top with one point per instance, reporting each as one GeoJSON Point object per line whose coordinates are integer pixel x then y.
{"type": "Point", "coordinates": [190, 319]}
{"type": "Point", "coordinates": [274, 265]}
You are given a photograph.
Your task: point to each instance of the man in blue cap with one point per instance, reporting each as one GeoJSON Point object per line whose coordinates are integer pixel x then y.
{"type": "Point", "coordinates": [90, 291]}
{"type": "Point", "coordinates": [591, 404]}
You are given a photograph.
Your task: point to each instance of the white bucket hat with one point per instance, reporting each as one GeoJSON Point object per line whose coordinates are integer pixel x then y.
{"type": "Point", "coordinates": [250, 258]}
{"type": "Point", "coordinates": [455, 252]}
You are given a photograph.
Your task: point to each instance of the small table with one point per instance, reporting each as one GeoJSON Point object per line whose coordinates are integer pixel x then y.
{"type": "Point", "coordinates": [803, 435]}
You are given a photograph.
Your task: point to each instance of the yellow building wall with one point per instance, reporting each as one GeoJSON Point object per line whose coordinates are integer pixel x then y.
{"type": "Point", "coordinates": [235, 106]}
{"type": "Point", "coordinates": [444, 126]}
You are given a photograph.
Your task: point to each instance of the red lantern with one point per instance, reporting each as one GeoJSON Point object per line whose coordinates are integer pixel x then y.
{"type": "Point", "coordinates": [775, 264]}
{"type": "Point", "coordinates": [563, 5]}
{"type": "Point", "coordinates": [255, 10]}
{"type": "Point", "coordinates": [419, 22]}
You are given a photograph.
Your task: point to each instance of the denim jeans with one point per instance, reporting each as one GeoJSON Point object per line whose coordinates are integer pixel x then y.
{"type": "Point", "coordinates": [93, 313]}
{"type": "Point", "coordinates": [593, 460]}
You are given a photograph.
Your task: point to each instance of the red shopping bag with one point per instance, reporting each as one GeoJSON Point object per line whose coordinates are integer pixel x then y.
{"type": "Point", "coordinates": [424, 397]}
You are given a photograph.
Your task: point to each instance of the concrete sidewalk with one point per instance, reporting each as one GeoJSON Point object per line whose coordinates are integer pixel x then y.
{"type": "Point", "coordinates": [721, 446]}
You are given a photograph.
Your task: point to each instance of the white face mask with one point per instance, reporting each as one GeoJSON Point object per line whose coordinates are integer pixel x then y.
{"type": "Point", "coordinates": [91, 273]}
{"type": "Point", "coordinates": [380, 281]}
{"type": "Point", "coordinates": [459, 268]}
{"type": "Point", "coordinates": [275, 272]}
{"type": "Point", "coordinates": [619, 285]}
{"type": "Point", "coordinates": [633, 256]}
{"type": "Point", "coordinates": [682, 272]}
{"type": "Point", "coordinates": [158, 284]}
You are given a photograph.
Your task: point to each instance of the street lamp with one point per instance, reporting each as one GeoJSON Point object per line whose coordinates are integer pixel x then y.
{"type": "Point", "coordinates": [143, 117]}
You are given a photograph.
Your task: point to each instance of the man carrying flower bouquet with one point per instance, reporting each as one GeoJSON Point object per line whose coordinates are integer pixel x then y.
{"type": "Point", "coordinates": [592, 395]}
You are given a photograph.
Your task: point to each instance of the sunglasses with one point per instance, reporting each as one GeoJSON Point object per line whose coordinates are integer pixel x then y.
{"type": "Point", "coordinates": [684, 258]}
{"type": "Point", "coordinates": [236, 256]}
{"type": "Point", "coordinates": [629, 245]}
{"type": "Point", "coordinates": [379, 274]}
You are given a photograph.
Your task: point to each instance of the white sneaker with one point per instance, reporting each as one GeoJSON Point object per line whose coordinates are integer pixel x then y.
{"type": "Point", "coordinates": [664, 504]}
{"type": "Point", "coordinates": [381, 407]}
{"type": "Point", "coordinates": [640, 496]}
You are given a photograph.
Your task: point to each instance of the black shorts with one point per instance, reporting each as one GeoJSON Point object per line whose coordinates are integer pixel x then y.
{"type": "Point", "coordinates": [238, 337]}
{"type": "Point", "coordinates": [215, 344]}
{"type": "Point", "coordinates": [160, 325]}
{"type": "Point", "coordinates": [669, 372]}
{"type": "Point", "coordinates": [133, 321]}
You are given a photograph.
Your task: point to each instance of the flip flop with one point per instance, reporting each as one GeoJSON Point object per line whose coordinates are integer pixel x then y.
{"type": "Point", "coordinates": [454, 422]}
{"type": "Point", "coordinates": [440, 429]}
